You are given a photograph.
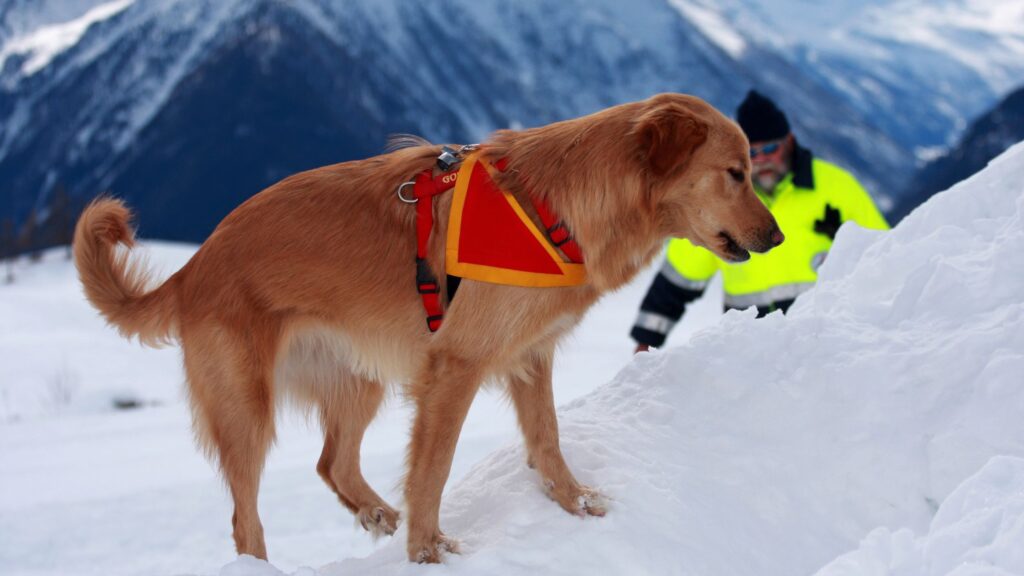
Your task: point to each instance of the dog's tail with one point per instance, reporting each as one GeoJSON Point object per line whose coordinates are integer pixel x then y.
{"type": "Point", "coordinates": [116, 285]}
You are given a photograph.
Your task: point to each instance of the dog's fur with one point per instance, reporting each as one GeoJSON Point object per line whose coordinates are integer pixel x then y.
{"type": "Point", "coordinates": [307, 289]}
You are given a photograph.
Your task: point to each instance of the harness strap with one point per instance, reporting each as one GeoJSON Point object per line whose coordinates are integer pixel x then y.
{"type": "Point", "coordinates": [557, 232]}
{"type": "Point", "coordinates": [426, 187]}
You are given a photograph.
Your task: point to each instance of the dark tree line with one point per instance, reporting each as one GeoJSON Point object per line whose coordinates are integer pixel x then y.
{"type": "Point", "coordinates": [53, 225]}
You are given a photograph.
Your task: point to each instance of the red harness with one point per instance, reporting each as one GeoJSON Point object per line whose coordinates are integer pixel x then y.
{"type": "Point", "coordinates": [425, 187]}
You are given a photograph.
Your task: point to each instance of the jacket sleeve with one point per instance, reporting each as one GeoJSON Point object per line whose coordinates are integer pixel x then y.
{"type": "Point", "coordinates": [685, 274]}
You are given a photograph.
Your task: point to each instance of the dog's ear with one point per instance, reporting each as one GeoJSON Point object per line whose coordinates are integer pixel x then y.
{"type": "Point", "coordinates": [668, 134]}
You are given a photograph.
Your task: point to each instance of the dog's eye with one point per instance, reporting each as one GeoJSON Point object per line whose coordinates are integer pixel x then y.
{"type": "Point", "coordinates": [736, 174]}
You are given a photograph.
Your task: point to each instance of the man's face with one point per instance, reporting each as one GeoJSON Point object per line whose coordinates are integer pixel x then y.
{"type": "Point", "coordinates": [770, 162]}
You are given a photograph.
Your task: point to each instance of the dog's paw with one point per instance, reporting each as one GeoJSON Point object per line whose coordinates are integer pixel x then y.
{"type": "Point", "coordinates": [578, 499]}
{"type": "Point", "coordinates": [379, 520]}
{"type": "Point", "coordinates": [590, 502]}
{"type": "Point", "coordinates": [433, 550]}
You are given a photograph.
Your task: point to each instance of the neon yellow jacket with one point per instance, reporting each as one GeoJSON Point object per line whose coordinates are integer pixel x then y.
{"type": "Point", "coordinates": [764, 280]}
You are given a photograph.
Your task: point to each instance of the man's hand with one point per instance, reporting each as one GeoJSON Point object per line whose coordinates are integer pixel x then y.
{"type": "Point", "coordinates": [829, 223]}
{"type": "Point", "coordinates": [642, 348]}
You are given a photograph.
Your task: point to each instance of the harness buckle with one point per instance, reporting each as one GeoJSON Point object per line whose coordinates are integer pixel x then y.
{"type": "Point", "coordinates": [426, 283]}
{"type": "Point", "coordinates": [434, 322]}
{"type": "Point", "coordinates": [558, 234]}
{"type": "Point", "coordinates": [428, 288]}
{"type": "Point", "coordinates": [447, 158]}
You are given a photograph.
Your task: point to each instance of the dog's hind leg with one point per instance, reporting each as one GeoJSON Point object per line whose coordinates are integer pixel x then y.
{"type": "Point", "coordinates": [535, 408]}
{"type": "Point", "coordinates": [234, 416]}
{"type": "Point", "coordinates": [344, 417]}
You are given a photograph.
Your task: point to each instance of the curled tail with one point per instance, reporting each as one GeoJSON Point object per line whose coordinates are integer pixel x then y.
{"type": "Point", "coordinates": [116, 285]}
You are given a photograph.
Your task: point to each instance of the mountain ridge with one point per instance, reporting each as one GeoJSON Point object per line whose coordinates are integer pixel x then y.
{"type": "Point", "coordinates": [117, 111]}
{"type": "Point", "coordinates": [989, 135]}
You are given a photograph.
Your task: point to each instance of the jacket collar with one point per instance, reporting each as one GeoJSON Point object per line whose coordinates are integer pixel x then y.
{"type": "Point", "coordinates": [803, 175]}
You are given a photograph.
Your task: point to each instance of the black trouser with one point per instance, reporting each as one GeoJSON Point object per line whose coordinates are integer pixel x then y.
{"type": "Point", "coordinates": [763, 311]}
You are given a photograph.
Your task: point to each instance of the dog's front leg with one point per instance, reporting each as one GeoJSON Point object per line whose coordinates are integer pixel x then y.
{"type": "Point", "coordinates": [535, 408]}
{"type": "Point", "coordinates": [443, 394]}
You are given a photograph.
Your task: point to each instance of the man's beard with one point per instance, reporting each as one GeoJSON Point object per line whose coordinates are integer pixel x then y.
{"type": "Point", "coordinates": [768, 177]}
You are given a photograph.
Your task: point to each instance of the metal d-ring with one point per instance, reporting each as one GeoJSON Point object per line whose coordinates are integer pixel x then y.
{"type": "Point", "coordinates": [403, 198]}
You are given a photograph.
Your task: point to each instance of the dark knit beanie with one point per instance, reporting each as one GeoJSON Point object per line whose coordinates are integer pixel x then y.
{"type": "Point", "coordinates": [760, 119]}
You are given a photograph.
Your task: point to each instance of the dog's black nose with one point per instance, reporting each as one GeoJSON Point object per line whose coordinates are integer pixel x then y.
{"type": "Point", "coordinates": [768, 239]}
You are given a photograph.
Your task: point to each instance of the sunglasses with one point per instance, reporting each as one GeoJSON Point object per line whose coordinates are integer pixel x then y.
{"type": "Point", "coordinates": [765, 149]}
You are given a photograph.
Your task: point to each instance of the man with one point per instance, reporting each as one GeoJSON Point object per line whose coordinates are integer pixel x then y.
{"type": "Point", "coordinates": [810, 199]}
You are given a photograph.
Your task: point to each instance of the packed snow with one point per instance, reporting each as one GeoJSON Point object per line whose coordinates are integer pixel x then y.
{"type": "Point", "coordinates": [977, 530]}
{"type": "Point", "coordinates": [874, 430]}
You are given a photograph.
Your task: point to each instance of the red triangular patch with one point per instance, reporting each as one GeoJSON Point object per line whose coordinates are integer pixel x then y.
{"type": "Point", "coordinates": [494, 235]}
{"type": "Point", "coordinates": [490, 237]}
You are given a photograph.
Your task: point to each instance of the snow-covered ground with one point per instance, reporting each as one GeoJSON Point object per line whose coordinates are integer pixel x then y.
{"type": "Point", "coordinates": [876, 429]}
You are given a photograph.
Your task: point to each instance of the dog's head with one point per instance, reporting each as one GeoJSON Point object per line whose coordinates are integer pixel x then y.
{"type": "Point", "coordinates": [700, 188]}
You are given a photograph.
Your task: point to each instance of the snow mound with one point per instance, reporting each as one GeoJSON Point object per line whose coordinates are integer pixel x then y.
{"type": "Point", "coordinates": [978, 530]}
{"type": "Point", "coordinates": [773, 446]}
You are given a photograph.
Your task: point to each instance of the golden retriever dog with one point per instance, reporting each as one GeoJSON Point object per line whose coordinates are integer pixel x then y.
{"type": "Point", "coordinates": [306, 292]}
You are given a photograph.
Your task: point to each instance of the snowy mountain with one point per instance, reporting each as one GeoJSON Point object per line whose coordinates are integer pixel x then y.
{"type": "Point", "coordinates": [988, 136]}
{"type": "Point", "coordinates": [187, 107]}
{"type": "Point", "coordinates": [919, 69]}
